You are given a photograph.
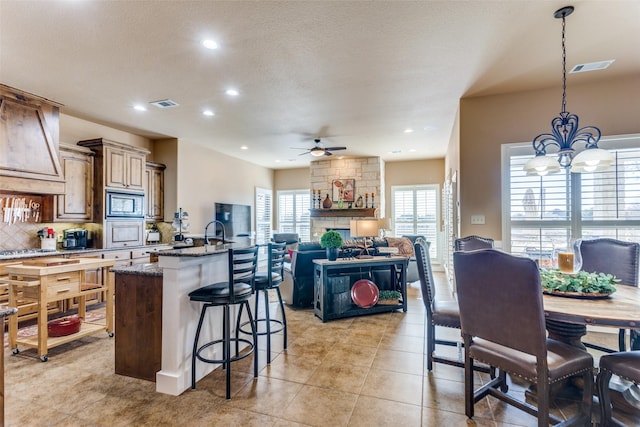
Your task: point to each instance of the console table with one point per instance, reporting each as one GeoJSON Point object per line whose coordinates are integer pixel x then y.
{"type": "Point", "coordinates": [333, 281]}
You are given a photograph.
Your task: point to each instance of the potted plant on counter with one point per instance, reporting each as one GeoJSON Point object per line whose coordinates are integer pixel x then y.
{"type": "Point", "coordinates": [331, 241]}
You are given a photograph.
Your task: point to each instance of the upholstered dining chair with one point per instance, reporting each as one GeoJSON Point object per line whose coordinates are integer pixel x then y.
{"type": "Point", "coordinates": [238, 289]}
{"type": "Point", "coordinates": [502, 322]}
{"type": "Point", "coordinates": [626, 365]}
{"type": "Point", "coordinates": [438, 312]}
{"type": "Point", "coordinates": [618, 258]}
{"type": "Point", "coordinates": [472, 243]}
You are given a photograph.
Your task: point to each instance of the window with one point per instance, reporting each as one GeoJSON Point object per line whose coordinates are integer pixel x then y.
{"type": "Point", "coordinates": [293, 213]}
{"type": "Point", "coordinates": [542, 213]}
{"type": "Point", "coordinates": [416, 210]}
{"type": "Point", "coordinates": [263, 215]}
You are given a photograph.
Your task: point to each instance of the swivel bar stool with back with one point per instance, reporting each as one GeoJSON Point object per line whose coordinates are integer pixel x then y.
{"type": "Point", "coordinates": [268, 281]}
{"type": "Point", "coordinates": [237, 290]}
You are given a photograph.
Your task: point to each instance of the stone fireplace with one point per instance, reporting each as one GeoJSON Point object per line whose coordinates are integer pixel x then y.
{"type": "Point", "coordinates": [368, 173]}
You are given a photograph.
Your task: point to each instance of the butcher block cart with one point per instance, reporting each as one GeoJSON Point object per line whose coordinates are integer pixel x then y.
{"type": "Point", "coordinates": [55, 279]}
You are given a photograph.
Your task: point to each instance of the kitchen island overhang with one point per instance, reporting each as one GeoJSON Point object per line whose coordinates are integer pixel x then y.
{"type": "Point", "coordinates": [183, 271]}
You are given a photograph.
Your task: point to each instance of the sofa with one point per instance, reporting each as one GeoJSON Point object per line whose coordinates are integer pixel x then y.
{"type": "Point", "coordinates": [297, 288]}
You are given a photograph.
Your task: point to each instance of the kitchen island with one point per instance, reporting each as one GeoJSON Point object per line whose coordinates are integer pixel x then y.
{"type": "Point", "coordinates": [183, 271]}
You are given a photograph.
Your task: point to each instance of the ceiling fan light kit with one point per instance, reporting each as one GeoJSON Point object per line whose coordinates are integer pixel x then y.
{"type": "Point", "coordinates": [320, 150]}
{"type": "Point", "coordinates": [565, 133]}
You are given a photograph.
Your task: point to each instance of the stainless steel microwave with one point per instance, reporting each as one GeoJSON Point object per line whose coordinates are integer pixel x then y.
{"type": "Point", "coordinates": [125, 205]}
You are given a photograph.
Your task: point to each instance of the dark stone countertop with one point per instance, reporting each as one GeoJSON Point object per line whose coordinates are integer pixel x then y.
{"type": "Point", "coordinates": [7, 311]}
{"type": "Point", "coordinates": [147, 269]}
{"type": "Point", "coordinates": [35, 253]}
{"type": "Point", "coordinates": [198, 251]}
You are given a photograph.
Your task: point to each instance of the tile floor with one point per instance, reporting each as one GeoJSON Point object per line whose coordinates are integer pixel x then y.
{"type": "Point", "coordinates": [364, 371]}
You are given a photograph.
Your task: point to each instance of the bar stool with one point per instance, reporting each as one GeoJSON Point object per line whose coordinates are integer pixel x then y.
{"type": "Point", "coordinates": [625, 364]}
{"type": "Point", "coordinates": [237, 290]}
{"type": "Point", "coordinates": [266, 281]}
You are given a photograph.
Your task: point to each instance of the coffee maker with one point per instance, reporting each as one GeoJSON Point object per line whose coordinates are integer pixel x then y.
{"type": "Point", "coordinates": [75, 238]}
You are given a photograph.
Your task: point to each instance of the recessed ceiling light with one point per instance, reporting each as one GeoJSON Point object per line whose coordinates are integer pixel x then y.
{"type": "Point", "coordinates": [244, 147]}
{"type": "Point", "coordinates": [429, 128]}
{"type": "Point", "coordinates": [408, 130]}
{"type": "Point", "coordinates": [413, 150]}
{"type": "Point", "coordinates": [277, 161]}
{"type": "Point", "coordinates": [395, 152]}
{"type": "Point", "coordinates": [139, 107]}
{"type": "Point", "coordinates": [208, 113]}
{"type": "Point", "coordinates": [232, 92]}
{"type": "Point", "coordinates": [209, 44]}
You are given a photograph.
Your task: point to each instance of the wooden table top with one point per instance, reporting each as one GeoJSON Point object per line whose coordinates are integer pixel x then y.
{"type": "Point", "coordinates": [81, 264]}
{"type": "Point", "coordinates": [621, 309]}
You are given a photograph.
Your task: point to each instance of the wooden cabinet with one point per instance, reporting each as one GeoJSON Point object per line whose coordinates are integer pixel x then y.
{"type": "Point", "coordinates": [119, 167]}
{"type": "Point", "coordinates": [138, 319]}
{"type": "Point", "coordinates": [124, 233]}
{"type": "Point", "coordinates": [124, 168]}
{"type": "Point", "coordinates": [29, 140]}
{"type": "Point", "coordinates": [154, 191]}
{"type": "Point", "coordinates": [76, 204]}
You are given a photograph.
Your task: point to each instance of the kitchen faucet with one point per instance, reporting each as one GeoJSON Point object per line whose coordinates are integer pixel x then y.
{"type": "Point", "coordinates": [206, 228]}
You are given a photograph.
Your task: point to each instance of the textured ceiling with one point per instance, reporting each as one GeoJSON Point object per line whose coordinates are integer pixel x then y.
{"type": "Point", "coordinates": [354, 73]}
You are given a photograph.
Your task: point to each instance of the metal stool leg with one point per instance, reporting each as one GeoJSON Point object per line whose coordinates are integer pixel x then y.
{"type": "Point", "coordinates": [284, 316]}
{"type": "Point", "coordinates": [194, 355]}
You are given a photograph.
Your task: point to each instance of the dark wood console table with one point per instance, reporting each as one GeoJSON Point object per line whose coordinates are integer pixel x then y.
{"type": "Point", "coordinates": [333, 281]}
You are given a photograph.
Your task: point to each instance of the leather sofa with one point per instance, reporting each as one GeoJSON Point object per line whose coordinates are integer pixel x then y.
{"type": "Point", "coordinates": [297, 288]}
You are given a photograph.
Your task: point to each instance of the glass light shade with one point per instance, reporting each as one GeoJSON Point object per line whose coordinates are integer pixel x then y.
{"type": "Point", "coordinates": [316, 152]}
{"type": "Point", "coordinates": [592, 160]}
{"type": "Point", "coordinates": [363, 228]}
{"type": "Point", "coordinates": [542, 165]}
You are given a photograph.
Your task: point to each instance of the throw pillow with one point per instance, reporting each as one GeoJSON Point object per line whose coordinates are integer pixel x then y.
{"type": "Point", "coordinates": [403, 244]}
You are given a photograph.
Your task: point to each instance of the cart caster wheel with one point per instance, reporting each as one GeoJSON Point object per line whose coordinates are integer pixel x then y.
{"type": "Point", "coordinates": [44, 358]}
{"type": "Point", "coordinates": [16, 351]}
{"type": "Point", "coordinates": [111, 334]}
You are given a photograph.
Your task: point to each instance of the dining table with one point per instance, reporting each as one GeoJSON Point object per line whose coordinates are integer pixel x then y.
{"type": "Point", "coordinates": [567, 318]}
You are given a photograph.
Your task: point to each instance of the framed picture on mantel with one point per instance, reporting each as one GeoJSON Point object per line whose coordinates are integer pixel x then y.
{"type": "Point", "coordinates": [343, 189]}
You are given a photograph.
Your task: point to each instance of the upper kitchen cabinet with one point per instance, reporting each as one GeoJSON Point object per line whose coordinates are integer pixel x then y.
{"type": "Point", "coordinates": [76, 204]}
{"type": "Point", "coordinates": [154, 191]}
{"type": "Point", "coordinates": [29, 140]}
{"type": "Point", "coordinates": [120, 166]}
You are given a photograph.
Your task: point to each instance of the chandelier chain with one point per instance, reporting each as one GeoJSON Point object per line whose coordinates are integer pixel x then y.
{"type": "Point", "coordinates": [564, 69]}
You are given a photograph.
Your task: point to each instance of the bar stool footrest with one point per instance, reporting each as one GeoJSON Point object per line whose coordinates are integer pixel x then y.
{"type": "Point", "coordinates": [275, 330]}
{"type": "Point", "coordinates": [246, 352]}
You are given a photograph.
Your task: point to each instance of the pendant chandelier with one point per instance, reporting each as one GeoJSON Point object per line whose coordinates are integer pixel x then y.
{"type": "Point", "coordinates": [565, 133]}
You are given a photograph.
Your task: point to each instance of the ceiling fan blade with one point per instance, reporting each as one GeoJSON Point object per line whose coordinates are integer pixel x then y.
{"type": "Point", "coordinates": [304, 154]}
{"type": "Point", "coordinates": [335, 148]}
{"type": "Point", "coordinates": [328, 153]}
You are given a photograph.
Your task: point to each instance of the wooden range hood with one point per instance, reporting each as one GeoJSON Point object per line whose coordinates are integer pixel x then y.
{"type": "Point", "coordinates": [29, 144]}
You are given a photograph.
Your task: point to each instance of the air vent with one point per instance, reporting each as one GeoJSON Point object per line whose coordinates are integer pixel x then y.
{"type": "Point", "coordinates": [592, 66]}
{"type": "Point", "coordinates": [164, 103]}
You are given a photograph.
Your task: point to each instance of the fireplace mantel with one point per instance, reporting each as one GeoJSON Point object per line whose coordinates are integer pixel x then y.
{"type": "Point", "coordinates": [355, 213]}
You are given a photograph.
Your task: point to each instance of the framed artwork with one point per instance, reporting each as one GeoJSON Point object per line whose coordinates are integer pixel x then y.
{"type": "Point", "coordinates": [343, 189]}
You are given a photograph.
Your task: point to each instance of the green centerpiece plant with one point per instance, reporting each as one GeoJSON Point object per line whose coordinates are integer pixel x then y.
{"type": "Point", "coordinates": [331, 241]}
{"type": "Point", "coordinates": [580, 283]}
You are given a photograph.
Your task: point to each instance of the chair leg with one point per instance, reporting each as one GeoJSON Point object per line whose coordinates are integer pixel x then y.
{"type": "Point", "coordinates": [195, 348]}
{"type": "Point", "coordinates": [542, 388]}
{"type": "Point", "coordinates": [468, 379]}
{"type": "Point", "coordinates": [602, 383]}
{"type": "Point", "coordinates": [238, 320]}
{"type": "Point", "coordinates": [267, 324]}
{"type": "Point", "coordinates": [254, 333]}
{"type": "Point", "coordinates": [284, 317]}
{"type": "Point", "coordinates": [431, 344]}
{"type": "Point", "coordinates": [227, 346]}
{"type": "Point", "coordinates": [587, 394]}
{"type": "Point", "coordinates": [621, 338]}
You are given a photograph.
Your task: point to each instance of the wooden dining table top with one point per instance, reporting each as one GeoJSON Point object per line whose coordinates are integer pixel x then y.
{"type": "Point", "coordinates": [620, 309]}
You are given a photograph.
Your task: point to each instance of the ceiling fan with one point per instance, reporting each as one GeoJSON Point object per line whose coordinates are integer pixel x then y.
{"type": "Point", "coordinates": [321, 150]}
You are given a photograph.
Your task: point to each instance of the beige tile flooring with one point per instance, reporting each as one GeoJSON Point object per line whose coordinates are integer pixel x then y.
{"type": "Point", "coordinates": [363, 371]}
